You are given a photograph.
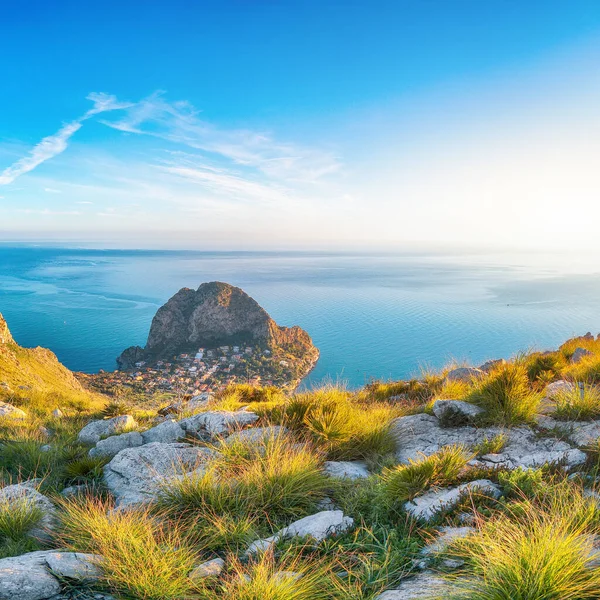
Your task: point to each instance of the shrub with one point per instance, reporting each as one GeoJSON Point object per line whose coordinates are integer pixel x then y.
{"type": "Point", "coordinates": [407, 481]}
{"type": "Point", "coordinates": [506, 396]}
{"type": "Point", "coordinates": [17, 520]}
{"type": "Point", "coordinates": [542, 368]}
{"type": "Point", "coordinates": [142, 557]}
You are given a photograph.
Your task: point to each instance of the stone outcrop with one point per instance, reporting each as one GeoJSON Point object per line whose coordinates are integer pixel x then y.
{"type": "Point", "coordinates": [215, 314]}
{"type": "Point", "coordinates": [136, 475]}
{"type": "Point", "coordinates": [213, 424]}
{"type": "Point", "coordinates": [422, 587]}
{"type": "Point", "coordinates": [427, 506]}
{"type": "Point", "coordinates": [11, 412]}
{"type": "Point", "coordinates": [465, 374]}
{"type": "Point", "coordinates": [5, 335]}
{"type": "Point", "coordinates": [35, 576]}
{"type": "Point", "coordinates": [456, 412]}
{"type": "Point", "coordinates": [421, 434]}
{"type": "Point", "coordinates": [93, 432]}
{"type": "Point", "coordinates": [346, 469]}
{"type": "Point", "coordinates": [318, 527]}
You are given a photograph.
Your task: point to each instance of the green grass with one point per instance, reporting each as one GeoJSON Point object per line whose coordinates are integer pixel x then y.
{"type": "Point", "coordinates": [542, 552]}
{"type": "Point", "coordinates": [578, 405]}
{"type": "Point", "coordinates": [143, 557]}
{"type": "Point", "coordinates": [506, 396]}
{"type": "Point", "coordinates": [17, 520]}
{"type": "Point", "coordinates": [491, 445]}
{"type": "Point", "coordinates": [271, 482]}
{"type": "Point", "coordinates": [405, 482]}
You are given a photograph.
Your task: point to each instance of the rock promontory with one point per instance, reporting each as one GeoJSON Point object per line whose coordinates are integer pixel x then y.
{"type": "Point", "coordinates": [216, 314]}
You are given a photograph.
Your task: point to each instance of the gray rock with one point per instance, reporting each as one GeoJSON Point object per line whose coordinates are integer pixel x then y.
{"type": "Point", "coordinates": [447, 536]}
{"type": "Point", "coordinates": [166, 433]}
{"type": "Point", "coordinates": [96, 430]}
{"type": "Point", "coordinates": [213, 424]}
{"type": "Point", "coordinates": [580, 433]}
{"type": "Point", "coordinates": [57, 413]}
{"type": "Point", "coordinates": [346, 469]}
{"type": "Point", "coordinates": [74, 565]}
{"type": "Point", "coordinates": [418, 435]}
{"type": "Point", "coordinates": [111, 446]}
{"type": "Point", "coordinates": [456, 412]}
{"type": "Point", "coordinates": [136, 475]}
{"type": "Point", "coordinates": [556, 388]}
{"type": "Point", "coordinates": [318, 527]}
{"type": "Point", "coordinates": [490, 365]}
{"type": "Point", "coordinates": [425, 586]}
{"type": "Point", "coordinates": [465, 374]}
{"type": "Point", "coordinates": [17, 493]}
{"type": "Point", "coordinates": [11, 412]}
{"type": "Point", "coordinates": [427, 506]}
{"type": "Point", "coordinates": [257, 434]}
{"type": "Point", "coordinates": [210, 568]}
{"type": "Point", "coordinates": [27, 577]}
{"type": "Point", "coordinates": [580, 354]}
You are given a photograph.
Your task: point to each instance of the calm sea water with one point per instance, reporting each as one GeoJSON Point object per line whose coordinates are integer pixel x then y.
{"type": "Point", "coordinates": [381, 316]}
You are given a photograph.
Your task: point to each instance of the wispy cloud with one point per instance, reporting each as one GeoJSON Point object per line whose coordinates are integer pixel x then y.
{"type": "Point", "coordinates": [55, 144]}
{"type": "Point", "coordinates": [52, 191]}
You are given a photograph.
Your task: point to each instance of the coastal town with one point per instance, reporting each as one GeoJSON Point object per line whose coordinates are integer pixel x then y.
{"type": "Point", "coordinates": [207, 371]}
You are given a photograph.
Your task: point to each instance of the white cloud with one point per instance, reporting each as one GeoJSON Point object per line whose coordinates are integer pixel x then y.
{"type": "Point", "coordinates": [57, 143]}
{"type": "Point", "coordinates": [52, 191]}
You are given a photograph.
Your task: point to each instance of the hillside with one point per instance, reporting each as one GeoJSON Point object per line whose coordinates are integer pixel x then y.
{"type": "Point", "coordinates": [469, 483]}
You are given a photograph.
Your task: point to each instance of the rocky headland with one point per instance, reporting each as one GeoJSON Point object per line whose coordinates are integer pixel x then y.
{"type": "Point", "coordinates": [220, 317]}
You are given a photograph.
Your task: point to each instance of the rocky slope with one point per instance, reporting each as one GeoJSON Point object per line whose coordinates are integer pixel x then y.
{"type": "Point", "coordinates": [215, 314]}
{"type": "Point", "coordinates": [32, 368]}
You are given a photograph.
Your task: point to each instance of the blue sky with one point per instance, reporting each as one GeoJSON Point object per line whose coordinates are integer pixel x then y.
{"type": "Point", "coordinates": [300, 124]}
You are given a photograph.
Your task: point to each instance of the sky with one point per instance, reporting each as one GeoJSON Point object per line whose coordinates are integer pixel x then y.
{"type": "Point", "coordinates": [301, 124]}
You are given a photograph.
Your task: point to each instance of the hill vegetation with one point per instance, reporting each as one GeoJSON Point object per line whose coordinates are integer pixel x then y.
{"type": "Point", "coordinates": [475, 483]}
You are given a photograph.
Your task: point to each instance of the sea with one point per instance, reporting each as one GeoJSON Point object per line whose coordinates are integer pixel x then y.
{"type": "Point", "coordinates": [382, 316]}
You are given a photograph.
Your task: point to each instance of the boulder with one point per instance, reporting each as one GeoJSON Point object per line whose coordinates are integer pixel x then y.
{"type": "Point", "coordinates": [556, 388]}
{"type": "Point", "coordinates": [57, 413]}
{"type": "Point", "coordinates": [214, 424]}
{"type": "Point", "coordinates": [27, 577]}
{"type": "Point", "coordinates": [111, 446]}
{"type": "Point", "coordinates": [74, 565]}
{"type": "Point", "coordinates": [464, 374]}
{"type": "Point", "coordinates": [167, 432]}
{"type": "Point", "coordinates": [136, 475]}
{"type": "Point", "coordinates": [580, 354]}
{"type": "Point", "coordinates": [93, 432]}
{"type": "Point", "coordinates": [11, 412]}
{"type": "Point", "coordinates": [422, 587]}
{"type": "Point", "coordinates": [17, 493]}
{"type": "Point", "coordinates": [210, 568]}
{"type": "Point", "coordinates": [318, 527]}
{"type": "Point", "coordinates": [456, 412]}
{"type": "Point", "coordinates": [346, 469]}
{"type": "Point", "coordinates": [490, 365]}
{"type": "Point", "coordinates": [428, 505]}
{"type": "Point", "coordinates": [256, 435]}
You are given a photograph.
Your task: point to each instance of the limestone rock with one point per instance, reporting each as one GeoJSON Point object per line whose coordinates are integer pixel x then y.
{"type": "Point", "coordinates": [74, 565]}
{"type": "Point", "coordinates": [257, 434]}
{"type": "Point", "coordinates": [426, 506]}
{"type": "Point", "coordinates": [166, 433]}
{"type": "Point", "coordinates": [425, 586]}
{"type": "Point", "coordinates": [111, 446]}
{"type": "Point", "coordinates": [11, 412]}
{"type": "Point", "coordinates": [490, 365]}
{"type": "Point", "coordinates": [346, 469]}
{"type": "Point", "coordinates": [17, 493]}
{"type": "Point", "coordinates": [215, 314]}
{"type": "Point", "coordinates": [318, 527]}
{"type": "Point", "coordinates": [96, 430]}
{"type": "Point", "coordinates": [465, 374]}
{"type": "Point", "coordinates": [580, 354]}
{"type": "Point", "coordinates": [456, 412]}
{"type": "Point", "coordinates": [57, 413]}
{"type": "Point", "coordinates": [446, 537]}
{"type": "Point", "coordinates": [556, 388]}
{"type": "Point", "coordinates": [421, 435]}
{"type": "Point", "coordinates": [213, 424]}
{"type": "Point", "coordinates": [210, 568]}
{"type": "Point", "coordinates": [135, 475]}
{"type": "Point", "coordinates": [27, 577]}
